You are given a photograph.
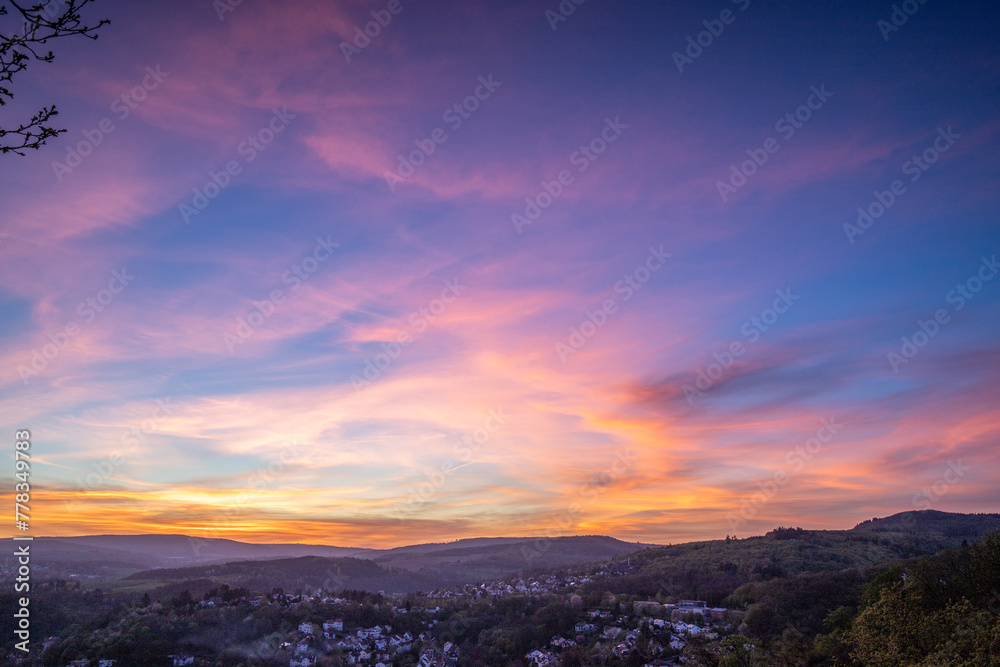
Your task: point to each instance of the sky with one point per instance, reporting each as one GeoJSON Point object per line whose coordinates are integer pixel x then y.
{"type": "Point", "coordinates": [661, 271]}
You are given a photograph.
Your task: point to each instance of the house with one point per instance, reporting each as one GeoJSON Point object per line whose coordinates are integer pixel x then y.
{"type": "Point", "coordinates": [180, 659]}
{"type": "Point", "coordinates": [373, 632]}
{"type": "Point", "coordinates": [106, 663]}
{"type": "Point", "coordinates": [623, 650]}
{"type": "Point", "coordinates": [334, 626]}
{"type": "Point", "coordinates": [304, 661]}
{"type": "Point", "coordinates": [583, 628]}
{"type": "Point", "coordinates": [306, 628]}
{"type": "Point", "coordinates": [541, 658]}
{"type": "Point", "coordinates": [692, 604]}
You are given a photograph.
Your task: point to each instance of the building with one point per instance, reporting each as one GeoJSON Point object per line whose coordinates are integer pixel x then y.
{"type": "Point", "coordinates": [692, 604]}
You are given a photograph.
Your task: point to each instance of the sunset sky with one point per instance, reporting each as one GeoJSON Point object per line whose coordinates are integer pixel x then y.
{"type": "Point", "coordinates": [200, 275]}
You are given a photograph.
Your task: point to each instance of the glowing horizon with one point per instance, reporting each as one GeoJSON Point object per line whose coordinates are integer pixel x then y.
{"type": "Point", "coordinates": [499, 274]}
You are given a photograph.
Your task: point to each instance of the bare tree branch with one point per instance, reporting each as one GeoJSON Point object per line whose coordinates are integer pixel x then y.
{"type": "Point", "coordinates": [40, 22]}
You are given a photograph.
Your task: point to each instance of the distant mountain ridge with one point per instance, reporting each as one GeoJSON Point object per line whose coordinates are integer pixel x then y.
{"type": "Point", "coordinates": [116, 556]}
{"type": "Point", "coordinates": [943, 524]}
{"type": "Point", "coordinates": [155, 550]}
{"type": "Point", "coordinates": [716, 566]}
{"type": "Point", "coordinates": [406, 569]}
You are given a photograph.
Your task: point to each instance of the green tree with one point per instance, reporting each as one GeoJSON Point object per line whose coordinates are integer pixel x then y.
{"type": "Point", "coordinates": [740, 651]}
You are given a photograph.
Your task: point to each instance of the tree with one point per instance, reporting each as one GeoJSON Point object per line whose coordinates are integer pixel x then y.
{"type": "Point", "coordinates": [739, 651]}
{"type": "Point", "coordinates": [40, 23]}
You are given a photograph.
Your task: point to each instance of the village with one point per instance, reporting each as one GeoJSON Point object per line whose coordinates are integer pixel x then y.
{"type": "Point", "coordinates": [655, 631]}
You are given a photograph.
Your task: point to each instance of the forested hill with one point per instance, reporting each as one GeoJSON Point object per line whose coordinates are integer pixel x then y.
{"type": "Point", "coordinates": [305, 574]}
{"type": "Point", "coordinates": [714, 569]}
{"type": "Point", "coordinates": [419, 567]}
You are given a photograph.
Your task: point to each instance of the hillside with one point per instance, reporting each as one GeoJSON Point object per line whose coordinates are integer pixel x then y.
{"type": "Point", "coordinates": [461, 562]}
{"type": "Point", "coordinates": [112, 556]}
{"type": "Point", "coordinates": [420, 567]}
{"type": "Point", "coordinates": [708, 570]}
{"type": "Point", "coordinates": [105, 557]}
{"type": "Point", "coordinates": [712, 570]}
{"type": "Point", "coordinates": [306, 574]}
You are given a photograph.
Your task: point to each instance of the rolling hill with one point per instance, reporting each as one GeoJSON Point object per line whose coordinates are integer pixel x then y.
{"type": "Point", "coordinates": [712, 570]}
{"type": "Point", "coordinates": [418, 567]}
